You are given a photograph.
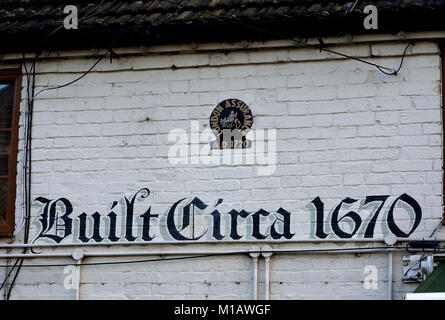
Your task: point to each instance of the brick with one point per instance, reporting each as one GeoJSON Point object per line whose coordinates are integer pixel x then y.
{"type": "Point", "coordinates": [420, 116]}
{"type": "Point", "coordinates": [352, 179]}
{"type": "Point", "coordinates": [354, 119]}
{"type": "Point", "coordinates": [308, 181]}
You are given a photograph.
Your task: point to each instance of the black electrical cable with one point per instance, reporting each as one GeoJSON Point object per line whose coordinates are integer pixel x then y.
{"type": "Point", "coordinates": [109, 50]}
{"type": "Point", "coordinates": [19, 261]}
{"type": "Point", "coordinates": [86, 16]}
{"type": "Point", "coordinates": [390, 71]}
{"type": "Point", "coordinates": [321, 46]}
{"type": "Point", "coordinates": [435, 229]}
{"type": "Point", "coordinates": [27, 164]}
{"type": "Point", "coordinates": [13, 280]}
{"type": "Point", "coordinates": [77, 79]}
{"type": "Point", "coordinates": [89, 14]}
{"type": "Point", "coordinates": [9, 273]}
{"type": "Point", "coordinates": [27, 156]}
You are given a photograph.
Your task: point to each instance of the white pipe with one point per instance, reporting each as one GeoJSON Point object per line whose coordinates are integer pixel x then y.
{"type": "Point", "coordinates": [79, 263]}
{"type": "Point", "coordinates": [266, 252]}
{"type": "Point", "coordinates": [390, 272]}
{"type": "Point", "coordinates": [255, 253]}
{"type": "Point", "coordinates": [255, 278]}
{"type": "Point", "coordinates": [108, 244]}
{"type": "Point", "coordinates": [266, 277]}
{"type": "Point", "coordinates": [28, 255]}
{"type": "Point", "coordinates": [335, 251]}
{"type": "Point", "coordinates": [196, 252]}
{"type": "Point", "coordinates": [119, 254]}
{"type": "Point", "coordinates": [78, 254]}
{"type": "Point", "coordinates": [202, 252]}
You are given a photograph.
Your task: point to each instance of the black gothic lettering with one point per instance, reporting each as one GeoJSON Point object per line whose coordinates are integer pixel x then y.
{"type": "Point", "coordinates": [256, 219]}
{"type": "Point", "coordinates": [369, 233]}
{"type": "Point", "coordinates": [146, 217]}
{"type": "Point", "coordinates": [319, 207]}
{"type": "Point", "coordinates": [217, 225]}
{"type": "Point", "coordinates": [351, 214]}
{"type": "Point", "coordinates": [417, 211]}
{"type": "Point", "coordinates": [112, 216]}
{"type": "Point", "coordinates": [286, 226]}
{"type": "Point", "coordinates": [56, 223]}
{"type": "Point", "coordinates": [174, 232]}
{"type": "Point", "coordinates": [130, 211]}
{"type": "Point", "coordinates": [96, 228]}
{"type": "Point", "coordinates": [50, 218]}
{"type": "Point", "coordinates": [234, 223]}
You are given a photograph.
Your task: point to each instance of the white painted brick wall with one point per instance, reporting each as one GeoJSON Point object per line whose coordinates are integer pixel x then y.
{"type": "Point", "coordinates": [343, 130]}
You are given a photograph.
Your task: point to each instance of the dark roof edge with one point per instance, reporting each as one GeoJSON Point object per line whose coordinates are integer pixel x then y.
{"type": "Point", "coordinates": [135, 35]}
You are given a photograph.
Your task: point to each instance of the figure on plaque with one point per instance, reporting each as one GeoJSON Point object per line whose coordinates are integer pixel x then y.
{"type": "Point", "coordinates": [231, 121]}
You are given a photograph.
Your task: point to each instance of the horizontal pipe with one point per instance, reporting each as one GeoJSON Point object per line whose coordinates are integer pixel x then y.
{"type": "Point", "coordinates": [31, 256]}
{"type": "Point", "coordinates": [108, 244]}
{"type": "Point", "coordinates": [120, 254]}
{"type": "Point", "coordinates": [203, 252]}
